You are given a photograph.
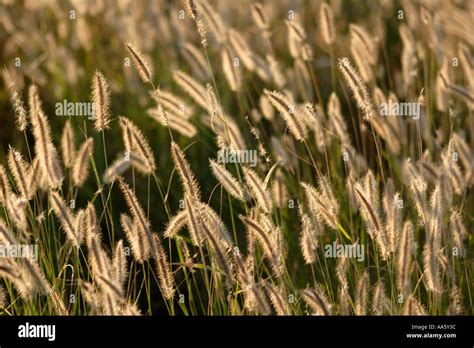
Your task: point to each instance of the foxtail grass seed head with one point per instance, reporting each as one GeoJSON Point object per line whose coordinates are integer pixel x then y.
{"type": "Point", "coordinates": [194, 56]}
{"type": "Point", "coordinates": [101, 102]}
{"type": "Point", "coordinates": [393, 205]}
{"type": "Point", "coordinates": [163, 269]}
{"type": "Point", "coordinates": [259, 192]}
{"type": "Point", "coordinates": [119, 263]}
{"type": "Point", "coordinates": [360, 37]}
{"type": "Point", "coordinates": [227, 180]}
{"type": "Point", "coordinates": [5, 188]}
{"type": "Point", "coordinates": [240, 46]}
{"type": "Point", "coordinates": [172, 121]}
{"type": "Point", "coordinates": [141, 64]}
{"type": "Point", "coordinates": [140, 219]}
{"type": "Point", "coordinates": [266, 241]}
{"type": "Point", "coordinates": [91, 225]}
{"type": "Point", "coordinates": [413, 307]}
{"type": "Point", "coordinates": [3, 298]}
{"type": "Point", "coordinates": [212, 21]}
{"type": "Point", "coordinates": [220, 258]}
{"type": "Point", "coordinates": [137, 145]}
{"type": "Point", "coordinates": [68, 148]}
{"type": "Point", "coordinates": [278, 298]}
{"type": "Point", "coordinates": [362, 64]}
{"type": "Point", "coordinates": [116, 168]}
{"type": "Point", "coordinates": [367, 197]}
{"type": "Point", "coordinates": [275, 71]}
{"type": "Point", "coordinates": [215, 224]}
{"type": "Point", "coordinates": [80, 168]}
{"type": "Point", "coordinates": [15, 208]}
{"type": "Point", "coordinates": [336, 119]}
{"type": "Point", "coordinates": [362, 294]}
{"type": "Point", "coordinates": [406, 250]}
{"type": "Point", "coordinates": [259, 16]}
{"type": "Point", "coordinates": [431, 259]}
{"type": "Point", "coordinates": [327, 23]}
{"type": "Point", "coordinates": [194, 221]}
{"type": "Point", "coordinates": [317, 300]}
{"type": "Point", "coordinates": [191, 87]}
{"type": "Point", "coordinates": [176, 224]}
{"type": "Point", "coordinates": [456, 306]}
{"type": "Point", "coordinates": [172, 103]}
{"type": "Point", "coordinates": [323, 207]}
{"type": "Point", "coordinates": [379, 299]}
{"type": "Point", "coordinates": [357, 87]}
{"type": "Point", "coordinates": [34, 102]}
{"type": "Point", "coordinates": [458, 231]}
{"type": "Point", "coordinates": [26, 277]}
{"type": "Point", "coordinates": [20, 111]}
{"type": "Point", "coordinates": [6, 235]}
{"type": "Point", "coordinates": [298, 41]}
{"type": "Point", "coordinates": [289, 113]}
{"type": "Point", "coordinates": [308, 239]}
{"type": "Point", "coordinates": [66, 217]}
{"type": "Point", "coordinates": [231, 72]}
{"type": "Point", "coordinates": [139, 245]}
{"type": "Point", "coordinates": [22, 173]}
{"type": "Point", "coordinates": [280, 193]}
{"type": "Point", "coordinates": [46, 151]}
{"type": "Point", "coordinates": [188, 180]}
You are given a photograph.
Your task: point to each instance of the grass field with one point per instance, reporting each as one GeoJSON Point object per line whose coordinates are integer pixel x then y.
{"type": "Point", "coordinates": [236, 157]}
